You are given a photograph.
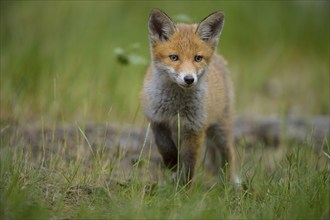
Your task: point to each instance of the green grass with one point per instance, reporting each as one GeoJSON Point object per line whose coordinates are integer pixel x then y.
{"type": "Point", "coordinates": [295, 186]}
{"type": "Point", "coordinates": [65, 62]}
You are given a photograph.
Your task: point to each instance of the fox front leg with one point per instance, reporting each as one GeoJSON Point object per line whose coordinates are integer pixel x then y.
{"type": "Point", "coordinates": [221, 135]}
{"type": "Point", "coordinates": [165, 144]}
{"type": "Point", "coordinates": [189, 149]}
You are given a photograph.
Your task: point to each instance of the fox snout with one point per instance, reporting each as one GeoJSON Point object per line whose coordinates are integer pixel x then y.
{"type": "Point", "coordinates": [186, 80]}
{"type": "Point", "coordinates": [186, 75]}
{"type": "Point", "coordinates": [189, 79]}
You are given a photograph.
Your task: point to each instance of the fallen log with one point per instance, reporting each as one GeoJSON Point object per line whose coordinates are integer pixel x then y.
{"type": "Point", "coordinates": [271, 130]}
{"type": "Point", "coordinates": [267, 130]}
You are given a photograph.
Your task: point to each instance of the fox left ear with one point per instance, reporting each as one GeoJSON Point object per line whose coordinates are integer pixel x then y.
{"type": "Point", "coordinates": [161, 27]}
{"type": "Point", "coordinates": [209, 29]}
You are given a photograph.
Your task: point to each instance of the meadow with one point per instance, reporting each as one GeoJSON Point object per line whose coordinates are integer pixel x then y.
{"type": "Point", "coordinates": [74, 63]}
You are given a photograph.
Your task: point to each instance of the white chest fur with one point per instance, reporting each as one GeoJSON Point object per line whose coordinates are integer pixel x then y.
{"type": "Point", "coordinates": [167, 101]}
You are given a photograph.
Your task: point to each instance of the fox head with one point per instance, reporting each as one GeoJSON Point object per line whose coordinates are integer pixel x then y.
{"type": "Point", "coordinates": [182, 52]}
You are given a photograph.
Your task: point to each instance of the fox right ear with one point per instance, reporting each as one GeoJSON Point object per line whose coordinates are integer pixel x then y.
{"type": "Point", "coordinates": [209, 29]}
{"type": "Point", "coordinates": [161, 27]}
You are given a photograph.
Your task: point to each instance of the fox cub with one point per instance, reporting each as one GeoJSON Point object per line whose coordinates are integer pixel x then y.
{"type": "Point", "coordinates": [187, 95]}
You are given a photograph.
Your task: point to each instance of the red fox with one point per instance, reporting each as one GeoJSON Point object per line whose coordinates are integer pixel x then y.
{"type": "Point", "coordinates": [187, 94]}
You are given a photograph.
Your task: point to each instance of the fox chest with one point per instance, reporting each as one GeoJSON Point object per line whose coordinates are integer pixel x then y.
{"type": "Point", "coordinates": [175, 106]}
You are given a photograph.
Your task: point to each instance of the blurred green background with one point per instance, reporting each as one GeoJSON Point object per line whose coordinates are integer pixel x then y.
{"type": "Point", "coordinates": [66, 61]}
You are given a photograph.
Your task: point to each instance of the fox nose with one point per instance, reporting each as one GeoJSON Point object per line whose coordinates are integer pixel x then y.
{"type": "Point", "coordinates": [189, 79]}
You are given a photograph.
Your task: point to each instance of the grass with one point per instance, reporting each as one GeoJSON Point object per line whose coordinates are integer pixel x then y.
{"type": "Point", "coordinates": [68, 62]}
{"type": "Point", "coordinates": [295, 186]}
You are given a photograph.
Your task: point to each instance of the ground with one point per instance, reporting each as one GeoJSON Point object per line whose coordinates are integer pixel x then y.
{"type": "Point", "coordinates": [107, 171]}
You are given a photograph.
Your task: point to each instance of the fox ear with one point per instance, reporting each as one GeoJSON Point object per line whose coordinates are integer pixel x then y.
{"type": "Point", "coordinates": [161, 27]}
{"type": "Point", "coordinates": [209, 29]}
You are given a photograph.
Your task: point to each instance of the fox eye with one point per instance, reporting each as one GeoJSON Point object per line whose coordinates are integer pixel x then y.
{"type": "Point", "coordinates": [198, 58]}
{"type": "Point", "coordinates": [174, 57]}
